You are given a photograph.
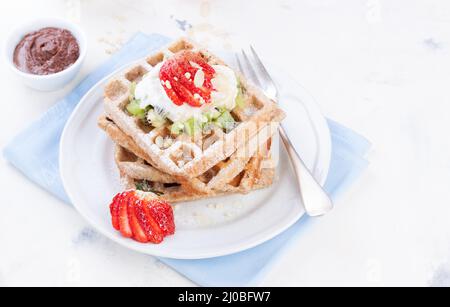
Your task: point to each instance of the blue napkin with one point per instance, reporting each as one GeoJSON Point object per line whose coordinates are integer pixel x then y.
{"type": "Point", "coordinates": [35, 152]}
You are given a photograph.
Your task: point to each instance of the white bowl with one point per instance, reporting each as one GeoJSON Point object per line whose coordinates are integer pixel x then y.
{"type": "Point", "coordinates": [46, 82]}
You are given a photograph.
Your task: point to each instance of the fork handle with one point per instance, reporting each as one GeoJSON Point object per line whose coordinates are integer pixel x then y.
{"type": "Point", "coordinates": [315, 200]}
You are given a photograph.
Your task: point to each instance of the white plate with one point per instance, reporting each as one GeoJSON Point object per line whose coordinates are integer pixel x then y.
{"type": "Point", "coordinates": [207, 228]}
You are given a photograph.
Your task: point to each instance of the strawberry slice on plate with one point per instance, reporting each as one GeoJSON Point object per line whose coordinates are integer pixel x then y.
{"type": "Point", "coordinates": [114, 209]}
{"type": "Point", "coordinates": [152, 230]}
{"type": "Point", "coordinates": [124, 222]}
{"type": "Point", "coordinates": [138, 233]}
{"type": "Point", "coordinates": [142, 216]}
{"type": "Point", "coordinates": [163, 214]}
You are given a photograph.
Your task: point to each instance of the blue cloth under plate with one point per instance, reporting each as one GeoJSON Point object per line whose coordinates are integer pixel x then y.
{"type": "Point", "coordinates": [35, 153]}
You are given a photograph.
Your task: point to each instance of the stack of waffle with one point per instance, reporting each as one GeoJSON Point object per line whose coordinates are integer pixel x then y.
{"type": "Point", "coordinates": [183, 168]}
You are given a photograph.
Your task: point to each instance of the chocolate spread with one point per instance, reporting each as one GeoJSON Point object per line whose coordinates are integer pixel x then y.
{"type": "Point", "coordinates": [47, 51]}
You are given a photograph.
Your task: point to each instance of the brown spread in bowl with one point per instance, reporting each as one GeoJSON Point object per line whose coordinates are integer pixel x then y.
{"type": "Point", "coordinates": [47, 51]}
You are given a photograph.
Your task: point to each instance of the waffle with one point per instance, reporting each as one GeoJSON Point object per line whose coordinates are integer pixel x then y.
{"type": "Point", "coordinates": [135, 171]}
{"type": "Point", "coordinates": [204, 153]}
{"type": "Point", "coordinates": [246, 162]}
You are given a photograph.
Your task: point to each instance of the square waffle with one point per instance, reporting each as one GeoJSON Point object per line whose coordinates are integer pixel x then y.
{"type": "Point", "coordinates": [137, 174]}
{"type": "Point", "coordinates": [239, 173]}
{"type": "Point", "coordinates": [186, 157]}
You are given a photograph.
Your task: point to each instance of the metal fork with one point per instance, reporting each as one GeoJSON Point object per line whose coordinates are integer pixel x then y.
{"type": "Point", "coordinates": [315, 199]}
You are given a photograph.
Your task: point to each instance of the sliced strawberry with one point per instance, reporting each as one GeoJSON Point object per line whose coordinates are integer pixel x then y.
{"type": "Point", "coordinates": [185, 88]}
{"type": "Point", "coordinates": [172, 94]}
{"type": "Point", "coordinates": [162, 213]}
{"type": "Point", "coordinates": [186, 95]}
{"type": "Point", "coordinates": [199, 60]}
{"type": "Point", "coordinates": [153, 232]}
{"type": "Point", "coordinates": [205, 90]}
{"type": "Point", "coordinates": [180, 71]}
{"type": "Point", "coordinates": [114, 208]}
{"type": "Point", "coordinates": [138, 233]}
{"type": "Point", "coordinates": [142, 216]}
{"type": "Point", "coordinates": [164, 76]}
{"type": "Point", "coordinates": [124, 222]}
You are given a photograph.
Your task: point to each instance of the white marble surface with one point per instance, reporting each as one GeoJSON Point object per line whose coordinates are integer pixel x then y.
{"type": "Point", "coordinates": [381, 67]}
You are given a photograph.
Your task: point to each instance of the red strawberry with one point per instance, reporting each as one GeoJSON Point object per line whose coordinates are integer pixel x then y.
{"type": "Point", "coordinates": [162, 213]}
{"type": "Point", "coordinates": [164, 76]}
{"type": "Point", "coordinates": [124, 222]}
{"type": "Point", "coordinates": [114, 208]}
{"type": "Point", "coordinates": [138, 233]}
{"type": "Point", "coordinates": [142, 216]}
{"type": "Point", "coordinates": [177, 76]}
{"type": "Point", "coordinates": [152, 230]}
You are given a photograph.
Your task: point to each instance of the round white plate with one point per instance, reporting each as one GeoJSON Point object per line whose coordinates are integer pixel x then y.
{"type": "Point", "coordinates": [207, 228]}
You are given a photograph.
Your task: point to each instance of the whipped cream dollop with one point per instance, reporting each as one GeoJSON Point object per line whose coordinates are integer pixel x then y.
{"type": "Point", "coordinates": [225, 87]}
{"type": "Point", "coordinates": [150, 92]}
